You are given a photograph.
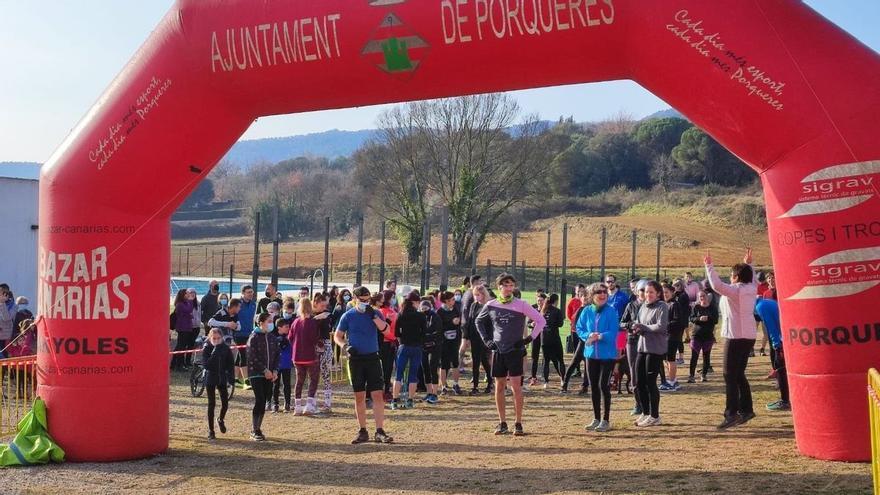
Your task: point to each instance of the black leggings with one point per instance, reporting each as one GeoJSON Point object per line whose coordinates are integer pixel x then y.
{"type": "Point", "coordinates": [576, 365]}
{"type": "Point", "coordinates": [737, 389]}
{"type": "Point", "coordinates": [388, 354]}
{"type": "Point", "coordinates": [600, 380]}
{"type": "Point", "coordinates": [480, 356]}
{"type": "Point", "coordinates": [553, 354]}
{"type": "Point", "coordinates": [647, 368]}
{"type": "Point", "coordinates": [431, 365]}
{"type": "Point", "coordinates": [212, 403]}
{"type": "Point", "coordinates": [186, 341]}
{"type": "Point", "coordinates": [695, 356]}
{"type": "Point", "coordinates": [536, 355]}
{"type": "Point", "coordinates": [262, 392]}
{"type": "Point", "coordinates": [282, 383]}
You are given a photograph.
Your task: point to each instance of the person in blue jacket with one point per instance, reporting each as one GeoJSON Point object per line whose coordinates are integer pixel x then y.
{"type": "Point", "coordinates": [616, 297]}
{"type": "Point", "coordinates": [768, 311]}
{"type": "Point", "coordinates": [597, 326]}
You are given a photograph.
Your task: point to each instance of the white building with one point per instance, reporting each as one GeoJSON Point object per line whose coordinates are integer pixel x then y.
{"type": "Point", "coordinates": [19, 198]}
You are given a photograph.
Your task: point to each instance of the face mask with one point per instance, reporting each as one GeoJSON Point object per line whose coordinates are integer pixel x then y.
{"type": "Point", "coordinates": [457, 298]}
{"type": "Point", "coordinates": [271, 327]}
{"type": "Point", "coordinates": [224, 302]}
{"type": "Point", "coordinates": [22, 307]}
{"type": "Point", "coordinates": [215, 288]}
{"type": "Point", "coordinates": [287, 315]}
{"type": "Point", "coordinates": [362, 306]}
{"type": "Point", "coordinates": [425, 309]}
{"type": "Point", "coordinates": [346, 298]}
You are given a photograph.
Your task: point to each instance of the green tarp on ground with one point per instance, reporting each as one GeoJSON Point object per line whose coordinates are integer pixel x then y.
{"type": "Point", "coordinates": [32, 444]}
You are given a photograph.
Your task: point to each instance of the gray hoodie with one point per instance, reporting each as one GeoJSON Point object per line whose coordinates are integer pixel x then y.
{"type": "Point", "coordinates": [655, 317]}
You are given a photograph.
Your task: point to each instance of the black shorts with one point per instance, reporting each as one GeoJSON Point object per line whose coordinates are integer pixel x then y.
{"type": "Point", "coordinates": [508, 365]}
{"type": "Point", "coordinates": [365, 373]}
{"type": "Point", "coordinates": [241, 359]}
{"type": "Point", "coordinates": [449, 354]}
{"type": "Point", "coordinates": [672, 349]}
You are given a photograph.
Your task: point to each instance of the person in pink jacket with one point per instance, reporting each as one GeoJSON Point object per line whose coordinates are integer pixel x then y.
{"type": "Point", "coordinates": [737, 307]}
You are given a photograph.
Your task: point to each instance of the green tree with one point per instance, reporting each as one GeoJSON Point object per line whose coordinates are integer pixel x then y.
{"type": "Point", "coordinates": [705, 161]}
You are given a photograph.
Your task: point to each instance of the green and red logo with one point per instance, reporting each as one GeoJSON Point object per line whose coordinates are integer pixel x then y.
{"type": "Point", "coordinates": [394, 47]}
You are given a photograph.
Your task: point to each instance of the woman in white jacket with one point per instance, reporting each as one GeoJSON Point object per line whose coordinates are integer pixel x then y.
{"type": "Point", "coordinates": [737, 307]}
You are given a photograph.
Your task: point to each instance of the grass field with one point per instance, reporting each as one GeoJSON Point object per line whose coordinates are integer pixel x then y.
{"type": "Point", "coordinates": [449, 449]}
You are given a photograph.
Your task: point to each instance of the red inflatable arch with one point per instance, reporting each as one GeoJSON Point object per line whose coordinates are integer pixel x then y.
{"type": "Point", "coordinates": [790, 93]}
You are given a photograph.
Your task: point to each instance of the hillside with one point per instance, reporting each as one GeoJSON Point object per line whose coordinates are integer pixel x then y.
{"type": "Point", "coordinates": [330, 144]}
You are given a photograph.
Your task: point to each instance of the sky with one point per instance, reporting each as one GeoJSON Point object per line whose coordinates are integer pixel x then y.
{"type": "Point", "coordinates": [59, 55]}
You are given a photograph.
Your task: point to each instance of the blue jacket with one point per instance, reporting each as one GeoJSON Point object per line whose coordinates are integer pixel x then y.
{"type": "Point", "coordinates": [285, 358]}
{"type": "Point", "coordinates": [607, 326]}
{"type": "Point", "coordinates": [768, 311]}
{"type": "Point", "coordinates": [619, 300]}
{"type": "Point", "coordinates": [246, 315]}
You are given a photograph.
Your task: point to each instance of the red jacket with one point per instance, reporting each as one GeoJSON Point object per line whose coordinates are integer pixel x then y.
{"type": "Point", "coordinates": [391, 317]}
{"type": "Point", "coordinates": [571, 310]}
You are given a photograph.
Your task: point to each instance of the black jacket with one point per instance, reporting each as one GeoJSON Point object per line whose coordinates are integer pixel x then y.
{"type": "Point", "coordinates": [704, 330]}
{"type": "Point", "coordinates": [630, 315]}
{"type": "Point", "coordinates": [219, 364]}
{"type": "Point", "coordinates": [678, 318]}
{"type": "Point", "coordinates": [434, 331]}
{"type": "Point", "coordinates": [449, 327]}
{"type": "Point", "coordinates": [555, 320]}
{"type": "Point", "coordinates": [262, 353]}
{"type": "Point", "coordinates": [411, 327]}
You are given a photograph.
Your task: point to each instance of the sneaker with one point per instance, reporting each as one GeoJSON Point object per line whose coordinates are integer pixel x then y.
{"type": "Point", "coordinates": [211, 435]}
{"type": "Point", "coordinates": [474, 391]}
{"type": "Point", "coordinates": [546, 385]}
{"type": "Point", "coordinates": [745, 418]}
{"type": "Point", "coordinates": [489, 390]}
{"type": "Point", "coordinates": [676, 386]}
{"type": "Point", "coordinates": [763, 352]}
{"type": "Point", "coordinates": [247, 385]}
{"type": "Point", "coordinates": [692, 379]}
{"type": "Point", "coordinates": [382, 437]}
{"type": "Point", "coordinates": [444, 391]}
{"type": "Point", "coordinates": [432, 399]}
{"type": "Point", "coordinates": [651, 421]}
{"type": "Point", "coordinates": [666, 387]}
{"type": "Point", "coordinates": [779, 405]}
{"type": "Point", "coordinates": [640, 419]}
{"type": "Point", "coordinates": [362, 437]}
{"type": "Point", "coordinates": [679, 361]}
{"type": "Point", "coordinates": [275, 408]}
{"type": "Point", "coordinates": [456, 389]}
{"type": "Point", "coordinates": [533, 381]}
{"type": "Point", "coordinates": [395, 404]}
{"type": "Point", "coordinates": [603, 426]}
{"type": "Point", "coordinates": [508, 392]}
{"type": "Point", "coordinates": [593, 425]}
{"type": "Point", "coordinates": [222, 426]}
{"type": "Point", "coordinates": [257, 436]}
{"type": "Point", "coordinates": [563, 390]}
{"type": "Point", "coordinates": [728, 422]}
{"type": "Point", "coordinates": [310, 410]}
{"type": "Point", "coordinates": [501, 429]}
{"type": "Point", "coordinates": [703, 378]}
{"type": "Point", "coordinates": [409, 404]}
{"type": "Point", "coordinates": [298, 411]}
{"type": "Point", "coordinates": [518, 430]}
{"type": "Point", "coordinates": [711, 370]}
{"type": "Point", "coordinates": [636, 411]}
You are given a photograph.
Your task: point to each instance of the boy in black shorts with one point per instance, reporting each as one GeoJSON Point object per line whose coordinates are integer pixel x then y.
{"type": "Point", "coordinates": [501, 324]}
{"type": "Point", "coordinates": [359, 325]}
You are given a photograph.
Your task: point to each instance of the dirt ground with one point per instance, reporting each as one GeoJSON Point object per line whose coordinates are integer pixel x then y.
{"type": "Point", "coordinates": [449, 449]}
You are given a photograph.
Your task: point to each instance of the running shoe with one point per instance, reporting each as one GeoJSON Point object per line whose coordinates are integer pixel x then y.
{"type": "Point", "coordinates": [679, 361]}
{"type": "Point", "coordinates": [286, 408]}
{"type": "Point", "coordinates": [382, 437]}
{"type": "Point", "coordinates": [666, 387]}
{"type": "Point", "coordinates": [563, 390]}
{"type": "Point", "coordinates": [729, 421]}
{"type": "Point", "coordinates": [533, 381]}
{"type": "Point", "coordinates": [489, 389]}
{"type": "Point", "coordinates": [651, 421]}
{"type": "Point", "coordinates": [501, 429]}
{"type": "Point", "coordinates": [298, 411]}
{"type": "Point", "coordinates": [395, 405]}
{"type": "Point", "coordinates": [362, 437]}
{"type": "Point", "coordinates": [222, 426]}
{"type": "Point", "coordinates": [474, 391]}
{"type": "Point", "coordinates": [745, 418]}
{"type": "Point", "coordinates": [257, 436]}
{"type": "Point", "coordinates": [444, 391]}
{"type": "Point", "coordinates": [508, 392]}
{"type": "Point", "coordinates": [593, 425]}
{"type": "Point", "coordinates": [432, 399]}
{"type": "Point", "coordinates": [310, 410]}
{"type": "Point", "coordinates": [247, 385]}
{"type": "Point", "coordinates": [703, 378]}
{"type": "Point", "coordinates": [409, 403]}
{"type": "Point", "coordinates": [456, 389]}
{"type": "Point", "coordinates": [692, 379]}
{"type": "Point", "coordinates": [546, 385]}
{"type": "Point", "coordinates": [779, 405]}
{"type": "Point", "coordinates": [212, 436]}
{"type": "Point", "coordinates": [603, 426]}
{"type": "Point", "coordinates": [636, 411]}
{"type": "Point", "coordinates": [676, 386]}
{"type": "Point", "coordinates": [518, 430]}
{"type": "Point", "coordinates": [711, 370]}
{"type": "Point", "coordinates": [275, 408]}
{"type": "Point", "coordinates": [640, 419]}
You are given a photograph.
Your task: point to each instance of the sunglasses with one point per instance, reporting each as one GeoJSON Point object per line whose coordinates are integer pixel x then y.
{"type": "Point", "coordinates": [600, 292]}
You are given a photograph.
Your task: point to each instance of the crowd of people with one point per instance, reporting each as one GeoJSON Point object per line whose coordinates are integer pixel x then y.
{"type": "Point", "coordinates": [403, 348]}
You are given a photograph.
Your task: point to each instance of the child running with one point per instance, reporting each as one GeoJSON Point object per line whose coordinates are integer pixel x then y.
{"type": "Point", "coordinates": [501, 323]}
{"type": "Point", "coordinates": [219, 366]}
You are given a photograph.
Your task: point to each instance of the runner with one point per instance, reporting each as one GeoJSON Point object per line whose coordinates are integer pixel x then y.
{"type": "Point", "coordinates": [356, 333]}
{"type": "Point", "coordinates": [501, 323]}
